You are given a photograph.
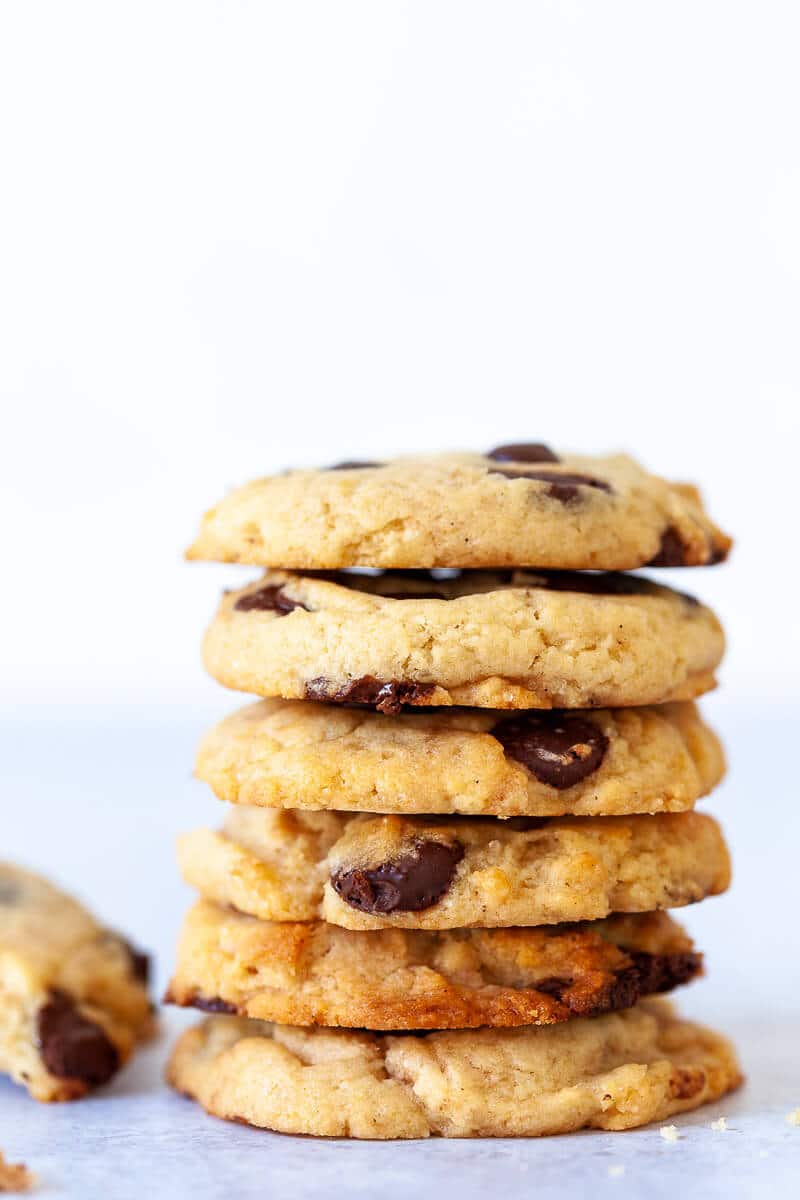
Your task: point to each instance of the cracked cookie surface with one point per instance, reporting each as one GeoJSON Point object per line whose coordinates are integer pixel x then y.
{"type": "Point", "coordinates": [73, 995]}
{"type": "Point", "coordinates": [465, 510]}
{"type": "Point", "coordinates": [314, 973]}
{"type": "Point", "coordinates": [499, 640]}
{"type": "Point", "coordinates": [601, 762]}
{"type": "Point", "coordinates": [612, 1072]}
{"type": "Point", "coordinates": [364, 872]}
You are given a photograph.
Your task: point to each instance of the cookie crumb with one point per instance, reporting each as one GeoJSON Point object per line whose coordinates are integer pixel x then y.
{"type": "Point", "coordinates": [14, 1177]}
{"type": "Point", "coordinates": [669, 1133]}
{"type": "Point", "coordinates": [720, 1125]}
{"type": "Point", "coordinates": [616, 1170]}
{"type": "Point", "coordinates": [794, 1117]}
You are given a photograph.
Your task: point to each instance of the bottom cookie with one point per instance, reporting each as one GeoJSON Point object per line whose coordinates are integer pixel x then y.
{"type": "Point", "coordinates": [612, 1072]}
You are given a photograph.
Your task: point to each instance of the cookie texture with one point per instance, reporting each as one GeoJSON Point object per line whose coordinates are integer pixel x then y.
{"type": "Point", "coordinates": [314, 973]}
{"type": "Point", "coordinates": [517, 506]}
{"type": "Point", "coordinates": [73, 995]}
{"type": "Point", "coordinates": [611, 1072]}
{"type": "Point", "coordinates": [365, 872]}
{"type": "Point", "coordinates": [601, 762]}
{"type": "Point", "coordinates": [488, 639]}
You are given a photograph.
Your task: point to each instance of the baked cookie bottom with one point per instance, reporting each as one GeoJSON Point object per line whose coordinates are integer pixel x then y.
{"type": "Point", "coordinates": [318, 974]}
{"type": "Point", "coordinates": [364, 872]}
{"type": "Point", "coordinates": [613, 1072]}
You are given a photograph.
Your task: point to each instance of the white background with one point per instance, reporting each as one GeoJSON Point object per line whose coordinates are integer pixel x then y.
{"type": "Point", "coordinates": [235, 237]}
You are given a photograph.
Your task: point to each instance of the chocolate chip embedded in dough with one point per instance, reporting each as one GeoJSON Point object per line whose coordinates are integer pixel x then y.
{"type": "Point", "coordinates": [671, 551]}
{"type": "Point", "coordinates": [559, 748]}
{"type": "Point", "coordinates": [353, 465]}
{"type": "Point", "coordinates": [71, 1045]}
{"type": "Point", "coordinates": [270, 598]}
{"type": "Point", "coordinates": [387, 696]}
{"type": "Point", "coordinates": [564, 486]}
{"type": "Point", "coordinates": [530, 452]}
{"type": "Point", "coordinates": [212, 1004]}
{"type": "Point", "coordinates": [410, 883]}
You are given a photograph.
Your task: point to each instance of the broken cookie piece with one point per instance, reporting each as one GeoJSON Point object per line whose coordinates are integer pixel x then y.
{"type": "Point", "coordinates": [73, 994]}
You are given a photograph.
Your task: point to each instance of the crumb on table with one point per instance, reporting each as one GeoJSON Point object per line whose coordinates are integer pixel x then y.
{"type": "Point", "coordinates": [794, 1117]}
{"type": "Point", "coordinates": [14, 1177]}
{"type": "Point", "coordinates": [719, 1125]}
{"type": "Point", "coordinates": [669, 1133]}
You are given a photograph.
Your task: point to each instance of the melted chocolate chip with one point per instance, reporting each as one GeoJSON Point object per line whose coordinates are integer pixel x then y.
{"type": "Point", "coordinates": [564, 487]}
{"type": "Point", "coordinates": [671, 552]}
{"type": "Point", "coordinates": [663, 972]}
{"type": "Point", "coordinates": [412, 882]}
{"type": "Point", "coordinates": [530, 452]}
{"type": "Point", "coordinates": [72, 1046]}
{"type": "Point", "coordinates": [270, 598]}
{"type": "Point", "coordinates": [353, 465]}
{"type": "Point", "coordinates": [386, 696]}
{"type": "Point", "coordinates": [645, 975]}
{"type": "Point", "coordinates": [559, 748]}
{"type": "Point", "coordinates": [212, 1004]}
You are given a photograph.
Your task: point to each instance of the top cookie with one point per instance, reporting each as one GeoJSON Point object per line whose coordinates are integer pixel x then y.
{"type": "Point", "coordinates": [517, 506]}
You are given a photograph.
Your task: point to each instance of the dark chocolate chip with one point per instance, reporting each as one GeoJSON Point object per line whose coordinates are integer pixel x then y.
{"type": "Point", "coordinates": [663, 972]}
{"type": "Point", "coordinates": [212, 1004]}
{"type": "Point", "coordinates": [644, 975]}
{"type": "Point", "coordinates": [412, 882]}
{"type": "Point", "coordinates": [386, 696]}
{"type": "Point", "coordinates": [72, 1046]}
{"type": "Point", "coordinates": [353, 465]}
{"type": "Point", "coordinates": [559, 748]}
{"type": "Point", "coordinates": [270, 598]}
{"type": "Point", "coordinates": [564, 486]}
{"type": "Point", "coordinates": [9, 892]}
{"type": "Point", "coordinates": [671, 552]}
{"type": "Point", "coordinates": [530, 452]}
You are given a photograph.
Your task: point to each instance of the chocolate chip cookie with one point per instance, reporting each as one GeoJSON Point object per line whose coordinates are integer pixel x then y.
{"type": "Point", "coordinates": [610, 1072]}
{"type": "Point", "coordinates": [489, 639]}
{"type": "Point", "coordinates": [73, 995]}
{"type": "Point", "coordinates": [365, 872]}
{"type": "Point", "coordinates": [313, 973]}
{"type": "Point", "coordinates": [516, 506]}
{"type": "Point", "coordinates": [600, 762]}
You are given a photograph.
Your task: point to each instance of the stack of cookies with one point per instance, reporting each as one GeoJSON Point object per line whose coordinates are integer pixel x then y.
{"type": "Point", "coordinates": [437, 904]}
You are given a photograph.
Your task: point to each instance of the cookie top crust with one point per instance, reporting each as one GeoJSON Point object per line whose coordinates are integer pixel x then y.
{"type": "Point", "coordinates": [516, 506]}
{"type": "Point", "coordinates": [596, 762]}
{"type": "Point", "coordinates": [611, 1072]}
{"type": "Point", "coordinates": [517, 639]}
{"type": "Point", "coordinates": [370, 872]}
{"type": "Point", "coordinates": [313, 973]}
{"type": "Point", "coordinates": [74, 993]}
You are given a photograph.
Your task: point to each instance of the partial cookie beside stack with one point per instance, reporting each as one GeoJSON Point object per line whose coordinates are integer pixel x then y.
{"type": "Point", "coordinates": [425, 918]}
{"type": "Point", "coordinates": [73, 994]}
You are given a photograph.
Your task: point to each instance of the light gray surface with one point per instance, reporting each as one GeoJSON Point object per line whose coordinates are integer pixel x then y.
{"type": "Point", "coordinates": [95, 798]}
